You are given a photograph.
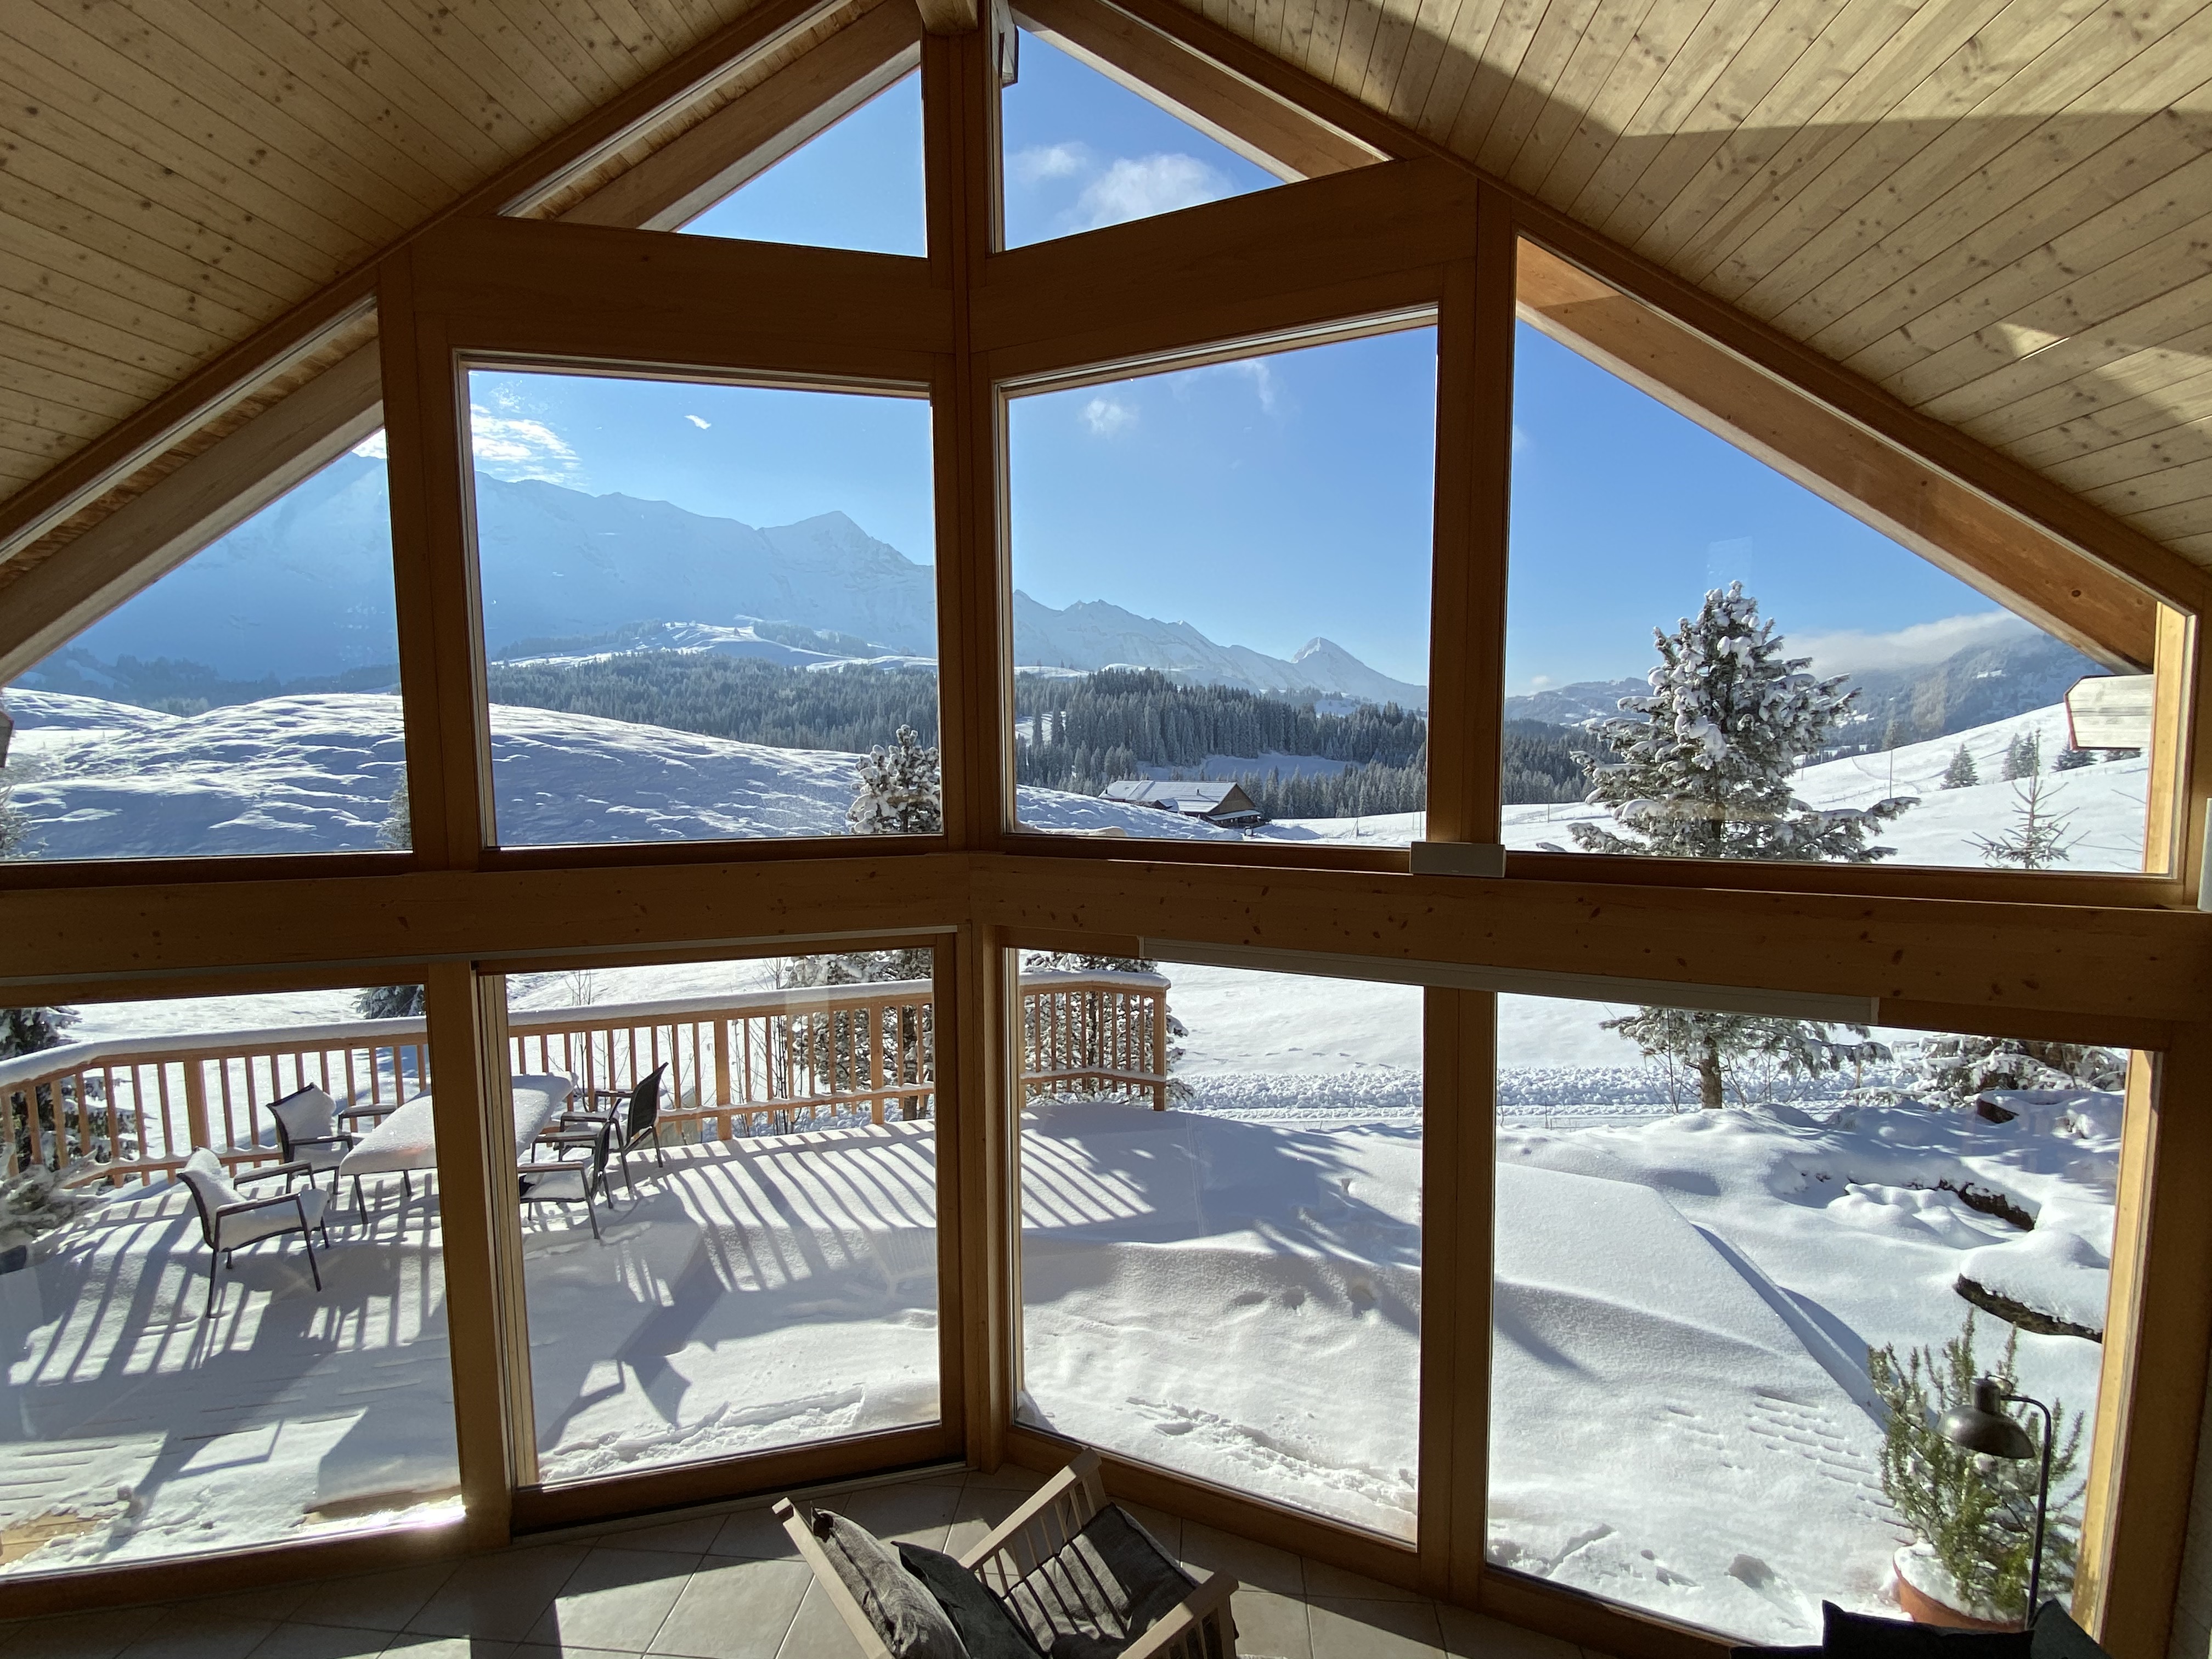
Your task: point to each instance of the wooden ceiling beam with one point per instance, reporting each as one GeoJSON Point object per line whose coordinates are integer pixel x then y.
{"type": "Point", "coordinates": [1241, 114]}
{"type": "Point", "coordinates": [233, 375]}
{"type": "Point", "coordinates": [2014, 562]}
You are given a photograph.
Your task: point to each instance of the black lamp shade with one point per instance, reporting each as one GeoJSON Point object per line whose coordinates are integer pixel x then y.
{"type": "Point", "coordinates": [1983, 1427]}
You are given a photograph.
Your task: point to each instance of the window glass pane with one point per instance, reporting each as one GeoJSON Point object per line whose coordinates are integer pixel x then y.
{"type": "Point", "coordinates": [1706, 1315]}
{"type": "Point", "coordinates": [857, 184]}
{"type": "Point", "coordinates": [729, 1224]}
{"type": "Point", "coordinates": [245, 702]}
{"type": "Point", "coordinates": [1816, 690]}
{"type": "Point", "coordinates": [1221, 1227]}
{"type": "Point", "coordinates": [699, 619]}
{"type": "Point", "coordinates": [1080, 150]}
{"type": "Point", "coordinates": [1221, 597]}
{"type": "Point", "coordinates": [163, 1403]}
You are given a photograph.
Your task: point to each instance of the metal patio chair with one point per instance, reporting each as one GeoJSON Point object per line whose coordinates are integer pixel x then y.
{"type": "Point", "coordinates": [229, 1221]}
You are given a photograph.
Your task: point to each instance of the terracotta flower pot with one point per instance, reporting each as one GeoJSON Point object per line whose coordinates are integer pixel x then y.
{"type": "Point", "coordinates": [1924, 1609]}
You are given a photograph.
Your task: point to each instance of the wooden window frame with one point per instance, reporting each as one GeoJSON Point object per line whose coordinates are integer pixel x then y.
{"type": "Point", "coordinates": [1952, 949]}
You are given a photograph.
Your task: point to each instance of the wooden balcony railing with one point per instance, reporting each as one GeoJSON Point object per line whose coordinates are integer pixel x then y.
{"type": "Point", "coordinates": [759, 1060]}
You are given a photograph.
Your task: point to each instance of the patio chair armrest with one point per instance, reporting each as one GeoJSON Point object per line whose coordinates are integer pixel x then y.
{"type": "Point", "coordinates": [1055, 1513]}
{"type": "Point", "coordinates": [797, 1526]}
{"type": "Point", "coordinates": [344, 1140]}
{"type": "Point", "coordinates": [525, 1166]}
{"type": "Point", "coordinates": [353, 1113]}
{"type": "Point", "coordinates": [273, 1169]}
{"type": "Point", "coordinates": [275, 1200]}
{"type": "Point", "coordinates": [1179, 1631]}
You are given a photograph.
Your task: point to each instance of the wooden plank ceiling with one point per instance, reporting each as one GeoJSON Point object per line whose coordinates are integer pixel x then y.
{"type": "Point", "coordinates": [1999, 210]}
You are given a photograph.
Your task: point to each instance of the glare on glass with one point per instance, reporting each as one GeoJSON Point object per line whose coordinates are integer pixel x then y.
{"type": "Point", "coordinates": [247, 702]}
{"type": "Point", "coordinates": [1738, 1255]}
{"type": "Point", "coordinates": [728, 1205]}
{"type": "Point", "coordinates": [709, 610]}
{"type": "Point", "coordinates": [1221, 583]}
{"type": "Point", "coordinates": [222, 1277]}
{"type": "Point", "coordinates": [1221, 1227]}
{"type": "Point", "coordinates": [1704, 659]}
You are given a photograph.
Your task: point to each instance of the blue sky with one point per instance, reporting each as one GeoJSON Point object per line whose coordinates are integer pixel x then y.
{"type": "Point", "coordinates": [1264, 502]}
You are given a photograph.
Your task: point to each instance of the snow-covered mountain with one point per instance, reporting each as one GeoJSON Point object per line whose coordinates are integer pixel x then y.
{"type": "Point", "coordinates": [1969, 689]}
{"type": "Point", "coordinates": [303, 591]}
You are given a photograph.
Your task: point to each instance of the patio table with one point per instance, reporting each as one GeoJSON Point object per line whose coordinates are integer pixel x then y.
{"type": "Point", "coordinates": [407, 1139]}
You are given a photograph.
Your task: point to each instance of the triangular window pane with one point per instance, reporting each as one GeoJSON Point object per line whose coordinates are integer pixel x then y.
{"type": "Point", "coordinates": [856, 186]}
{"type": "Point", "coordinates": [1080, 150]}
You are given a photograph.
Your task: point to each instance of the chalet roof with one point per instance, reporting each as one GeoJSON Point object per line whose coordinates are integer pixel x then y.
{"type": "Point", "coordinates": [1992, 210]}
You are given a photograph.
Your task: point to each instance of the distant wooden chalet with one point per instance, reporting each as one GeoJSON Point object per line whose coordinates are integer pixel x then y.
{"type": "Point", "coordinates": [1224, 804]}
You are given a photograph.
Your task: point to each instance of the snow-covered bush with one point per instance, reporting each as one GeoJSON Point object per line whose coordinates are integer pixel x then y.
{"type": "Point", "coordinates": [898, 791]}
{"type": "Point", "coordinates": [41, 1201]}
{"type": "Point", "coordinates": [1977, 1515]}
{"type": "Point", "coordinates": [1962, 772]}
{"type": "Point", "coordinates": [1705, 766]}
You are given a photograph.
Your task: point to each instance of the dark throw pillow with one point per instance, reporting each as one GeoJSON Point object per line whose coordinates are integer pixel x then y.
{"type": "Point", "coordinates": [905, 1614]}
{"type": "Point", "coordinates": [987, 1630]}
{"type": "Point", "coordinates": [1862, 1636]}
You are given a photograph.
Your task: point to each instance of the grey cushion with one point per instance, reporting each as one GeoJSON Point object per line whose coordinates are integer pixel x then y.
{"type": "Point", "coordinates": [898, 1604]}
{"type": "Point", "coordinates": [987, 1630]}
{"type": "Point", "coordinates": [1109, 1586]}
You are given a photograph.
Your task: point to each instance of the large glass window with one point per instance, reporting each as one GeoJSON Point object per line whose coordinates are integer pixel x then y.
{"type": "Point", "coordinates": [1221, 597]}
{"type": "Point", "coordinates": [222, 1304]}
{"type": "Point", "coordinates": [1221, 1227]}
{"type": "Point", "coordinates": [245, 702]}
{"type": "Point", "coordinates": [708, 610]}
{"type": "Point", "coordinates": [1706, 659]}
{"type": "Point", "coordinates": [856, 184]}
{"type": "Point", "coordinates": [729, 1214]}
{"type": "Point", "coordinates": [1079, 150]}
{"type": "Point", "coordinates": [1743, 1264]}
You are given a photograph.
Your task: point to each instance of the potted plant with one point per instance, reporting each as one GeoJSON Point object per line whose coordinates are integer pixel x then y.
{"type": "Point", "coordinates": [38, 1202]}
{"type": "Point", "coordinates": [1972, 1517]}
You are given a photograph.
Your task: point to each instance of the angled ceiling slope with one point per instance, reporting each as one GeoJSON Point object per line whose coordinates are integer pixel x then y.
{"type": "Point", "coordinates": [1994, 213]}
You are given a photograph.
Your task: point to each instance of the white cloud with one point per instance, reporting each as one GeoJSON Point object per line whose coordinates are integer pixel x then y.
{"type": "Point", "coordinates": [371, 447]}
{"type": "Point", "coordinates": [1107, 416]}
{"type": "Point", "coordinates": [1041, 161]}
{"type": "Point", "coordinates": [696, 421]}
{"type": "Point", "coordinates": [1520, 438]}
{"type": "Point", "coordinates": [514, 446]}
{"type": "Point", "coordinates": [1152, 183]}
{"type": "Point", "coordinates": [1908, 647]}
{"type": "Point", "coordinates": [1262, 378]}
{"type": "Point", "coordinates": [1537, 682]}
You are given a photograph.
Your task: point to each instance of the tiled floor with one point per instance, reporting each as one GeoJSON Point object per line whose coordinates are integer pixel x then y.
{"type": "Point", "coordinates": [727, 1586]}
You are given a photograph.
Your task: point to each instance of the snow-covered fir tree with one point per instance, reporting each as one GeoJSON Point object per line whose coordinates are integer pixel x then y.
{"type": "Point", "coordinates": [836, 1043]}
{"type": "Point", "coordinates": [2071, 759]}
{"type": "Point", "coordinates": [398, 831]}
{"type": "Point", "coordinates": [1716, 1048]}
{"type": "Point", "coordinates": [1952, 1070]}
{"type": "Point", "coordinates": [2023, 757]}
{"type": "Point", "coordinates": [1962, 772]}
{"type": "Point", "coordinates": [1703, 766]}
{"type": "Point", "coordinates": [2038, 839]}
{"type": "Point", "coordinates": [30, 1030]}
{"type": "Point", "coordinates": [1106, 1029]}
{"type": "Point", "coordinates": [390, 1002]}
{"type": "Point", "coordinates": [15, 824]}
{"type": "Point", "coordinates": [898, 791]}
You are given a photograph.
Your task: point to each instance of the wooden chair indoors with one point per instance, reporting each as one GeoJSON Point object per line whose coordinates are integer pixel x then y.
{"type": "Point", "coordinates": [229, 1221]}
{"type": "Point", "coordinates": [1068, 1574]}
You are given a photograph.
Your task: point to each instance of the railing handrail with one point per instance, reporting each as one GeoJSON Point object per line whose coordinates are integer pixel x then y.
{"type": "Point", "coordinates": [71, 1057]}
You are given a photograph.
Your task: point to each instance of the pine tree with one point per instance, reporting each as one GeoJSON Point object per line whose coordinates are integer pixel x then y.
{"type": "Point", "coordinates": [897, 792]}
{"type": "Point", "coordinates": [1715, 1045]}
{"type": "Point", "coordinates": [2038, 839]}
{"type": "Point", "coordinates": [1953, 1069]}
{"type": "Point", "coordinates": [14, 825]}
{"type": "Point", "coordinates": [1702, 768]}
{"type": "Point", "coordinates": [398, 832]}
{"type": "Point", "coordinates": [839, 1042]}
{"type": "Point", "coordinates": [1962, 772]}
{"type": "Point", "coordinates": [1976, 1513]}
{"type": "Point", "coordinates": [2071, 759]}
{"type": "Point", "coordinates": [391, 1002]}
{"type": "Point", "coordinates": [2023, 757]}
{"type": "Point", "coordinates": [30, 1030]}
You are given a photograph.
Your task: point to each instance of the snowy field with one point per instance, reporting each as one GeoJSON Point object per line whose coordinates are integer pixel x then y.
{"type": "Point", "coordinates": [317, 773]}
